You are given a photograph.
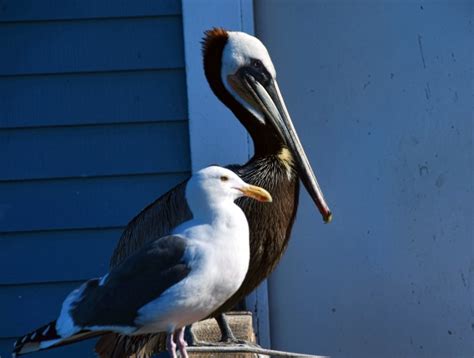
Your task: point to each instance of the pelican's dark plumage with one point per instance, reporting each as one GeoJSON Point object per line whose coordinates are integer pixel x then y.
{"type": "Point", "coordinates": [241, 74]}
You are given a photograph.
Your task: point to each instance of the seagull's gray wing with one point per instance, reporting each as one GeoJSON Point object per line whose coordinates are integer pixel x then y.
{"type": "Point", "coordinates": [140, 279]}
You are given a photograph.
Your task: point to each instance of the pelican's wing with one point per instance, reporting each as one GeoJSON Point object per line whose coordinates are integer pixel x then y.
{"type": "Point", "coordinates": [156, 220]}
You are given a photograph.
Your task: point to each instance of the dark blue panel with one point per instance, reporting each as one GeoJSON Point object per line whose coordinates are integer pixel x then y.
{"type": "Point", "coordinates": [92, 129]}
{"type": "Point", "coordinates": [79, 350]}
{"type": "Point", "coordinates": [55, 255]}
{"type": "Point", "coordinates": [94, 150]}
{"type": "Point", "coordinates": [93, 98]}
{"type": "Point", "coordinates": [27, 10]}
{"type": "Point", "coordinates": [78, 203]}
{"type": "Point", "coordinates": [25, 307]}
{"type": "Point", "coordinates": [91, 45]}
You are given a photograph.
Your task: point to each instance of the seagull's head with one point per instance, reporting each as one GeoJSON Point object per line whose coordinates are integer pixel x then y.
{"type": "Point", "coordinates": [216, 185]}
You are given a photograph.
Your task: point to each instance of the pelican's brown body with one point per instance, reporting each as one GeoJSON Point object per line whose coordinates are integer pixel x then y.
{"type": "Point", "coordinates": [272, 167]}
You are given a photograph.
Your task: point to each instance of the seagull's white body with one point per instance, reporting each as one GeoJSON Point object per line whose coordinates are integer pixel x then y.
{"type": "Point", "coordinates": [218, 254]}
{"type": "Point", "coordinates": [171, 282]}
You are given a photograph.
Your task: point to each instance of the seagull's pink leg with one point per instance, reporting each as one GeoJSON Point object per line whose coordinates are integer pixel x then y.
{"type": "Point", "coordinates": [170, 345]}
{"type": "Point", "coordinates": [181, 342]}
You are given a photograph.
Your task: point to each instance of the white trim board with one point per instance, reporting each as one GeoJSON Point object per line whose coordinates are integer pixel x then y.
{"type": "Point", "coordinates": [216, 137]}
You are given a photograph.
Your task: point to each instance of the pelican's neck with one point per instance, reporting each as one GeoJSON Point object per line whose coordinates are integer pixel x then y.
{"type": "Point", "coordinates": [270, 152]}
{"type": "Point", "coordinates": [271, 169]}
{"type": "Point", "coordinates": [266, 140]}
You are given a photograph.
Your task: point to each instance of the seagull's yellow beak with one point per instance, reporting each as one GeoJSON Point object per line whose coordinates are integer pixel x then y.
{"type": "Point", "coordinates": [257, 193]}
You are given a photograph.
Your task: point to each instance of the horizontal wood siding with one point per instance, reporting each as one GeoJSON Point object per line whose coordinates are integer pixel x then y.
{"type": "Point", "coordinates": [85, 151]}
{"type": "Point", "coordinates": [90, 45]}
{"type": "Point", "coordinates": [68, 247]}
{"type": "Point", "coordinates": [92, 98]}
{"type": "Point", "coordinates": [42, 302]}
{"type": "Point", "coordinates": [80, 350]}
{"type": "Point", "coordinates": [93, 128]}
{"type": "Point", "coordinates": [34, 10]}
{"type": "Point", "coordinates": [78, 203]}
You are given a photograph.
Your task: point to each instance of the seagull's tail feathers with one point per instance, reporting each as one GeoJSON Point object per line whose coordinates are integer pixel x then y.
{"type": "Point", "coordinates": [47, 337]}
{"type": "Point", "coordinates": [43, 337]}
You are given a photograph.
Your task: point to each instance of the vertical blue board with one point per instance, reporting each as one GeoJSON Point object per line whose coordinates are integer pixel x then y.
{"type": "Point", "coordinates": [93, 127]}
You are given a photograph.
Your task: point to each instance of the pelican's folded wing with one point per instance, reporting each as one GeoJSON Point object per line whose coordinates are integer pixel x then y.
{"type": "Point", "coordinates": [157, 220]}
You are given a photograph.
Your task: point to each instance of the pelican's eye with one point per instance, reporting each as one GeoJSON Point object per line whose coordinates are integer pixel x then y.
{"type": "Point", "coordinates": [224, 178]}
{"type": "Point", "coordinates": [256, 64]}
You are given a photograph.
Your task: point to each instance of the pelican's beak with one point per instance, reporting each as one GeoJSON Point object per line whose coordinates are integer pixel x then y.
{"type": "Point", "coordinates": [266, 96]}
{"type": "Point", "coordinates": [257, 193]}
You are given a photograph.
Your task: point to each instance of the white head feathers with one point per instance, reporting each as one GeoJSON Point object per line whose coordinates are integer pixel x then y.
{"type": "Point", "coordinates": [240, 50]}
{"type": "Point", "coordinates": [211, 188]}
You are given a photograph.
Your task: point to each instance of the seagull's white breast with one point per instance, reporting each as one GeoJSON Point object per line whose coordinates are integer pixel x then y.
{"type": "Point", "coordinates": [218, 255]}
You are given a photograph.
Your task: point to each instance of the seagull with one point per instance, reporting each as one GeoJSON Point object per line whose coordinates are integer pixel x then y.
{"type": "Point", "coordinates": [171, 281]}
{"type": "Point", "coordinates": [242, 76]}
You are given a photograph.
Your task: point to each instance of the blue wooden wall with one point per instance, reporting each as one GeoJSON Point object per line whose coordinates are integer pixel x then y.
{"type": "Point", "coordinates": [93, 127]}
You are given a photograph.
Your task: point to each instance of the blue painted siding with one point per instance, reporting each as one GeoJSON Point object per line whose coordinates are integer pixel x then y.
{"type": "Point", "coordinates": [32, 10]}
{"type": "Point", "coordinates": [90, 45]}
{"type": "Point", "coordinates": [104, 97]}
{"type": "Point", "coordinates": [72, 151]}
{"type": "Point", "coordinates": [68, 248]}
{"type": "Point", "coordinates": [93, 127]}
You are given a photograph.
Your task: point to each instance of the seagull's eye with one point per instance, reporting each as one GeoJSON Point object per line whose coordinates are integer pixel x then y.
{"type": "Point", "coordinates": [256, 64]}
{"type": "Point", "coordinates": [224, 178]}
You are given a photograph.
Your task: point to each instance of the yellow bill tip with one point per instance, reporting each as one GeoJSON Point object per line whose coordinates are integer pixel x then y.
{"type": "Point", "coordinates": [257, 193]}
{"type": "Point", "coordinates": [327, 219]}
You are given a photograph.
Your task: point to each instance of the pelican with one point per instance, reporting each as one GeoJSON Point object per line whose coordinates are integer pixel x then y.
{"type": "Point", "coordinates": [241, 74]}
{"type": "Point", "coordinates": [171, 281]}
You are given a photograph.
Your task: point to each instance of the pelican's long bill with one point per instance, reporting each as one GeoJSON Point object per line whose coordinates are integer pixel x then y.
{"type": "Point", "coordinates": [265, 92]}
{"type": "Point", "coordinates": [257, 193]}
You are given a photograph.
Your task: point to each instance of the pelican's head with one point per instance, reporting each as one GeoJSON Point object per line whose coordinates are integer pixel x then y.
{"type": "Point", "coordinates": [231, 60]}
{"type": "Point", "coordinates": [241, 74]}
{"type": "Point", "coordinates": [246, 59]}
